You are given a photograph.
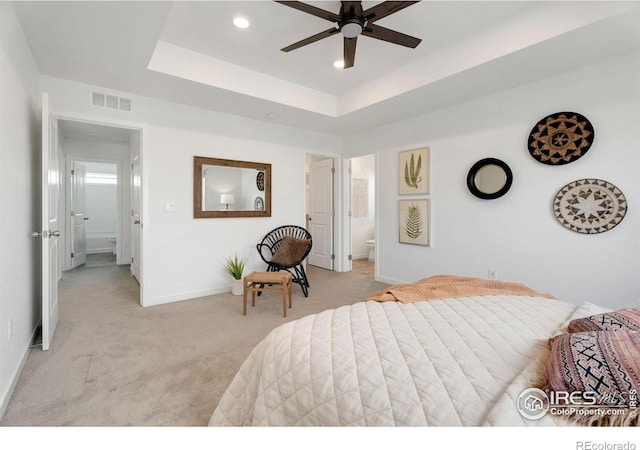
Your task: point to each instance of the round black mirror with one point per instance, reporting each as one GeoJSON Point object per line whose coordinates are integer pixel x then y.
{"type": "Point", "coordinates": [489, 178]}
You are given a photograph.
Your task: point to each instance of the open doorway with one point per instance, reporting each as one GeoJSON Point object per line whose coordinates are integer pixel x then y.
{"type": "Point", "coordinates": [94, 213]}
{"type": "Point", "coordinates": [362, 181]}
{"type": "Point", "coordinates": [64, 138]}
{"type": "Point", "coordinates": [98, 185]}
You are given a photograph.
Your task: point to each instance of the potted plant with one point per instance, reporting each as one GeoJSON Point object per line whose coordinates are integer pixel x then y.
{"type": "Point", "coordinates": [235, 267]}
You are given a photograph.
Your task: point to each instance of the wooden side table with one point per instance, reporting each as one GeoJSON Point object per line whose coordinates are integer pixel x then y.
{"type": "Point", "coordinates": [267, 281]}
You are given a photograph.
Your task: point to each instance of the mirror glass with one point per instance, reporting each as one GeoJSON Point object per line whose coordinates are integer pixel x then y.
{"type": "Point", "coordinates": [489, 178]}
{"type": "Point", "coordinates": [230, 188]}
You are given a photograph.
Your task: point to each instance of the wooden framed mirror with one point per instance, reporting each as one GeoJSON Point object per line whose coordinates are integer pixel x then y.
{"type": "Point", "coordinates": [489, 178]}
{"type": "Point", "coordinates": [230, 188]}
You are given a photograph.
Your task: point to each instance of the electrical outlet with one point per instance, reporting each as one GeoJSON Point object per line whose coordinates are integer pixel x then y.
{"type": "Point", "coordinates": [10, 327]}
{"type": "Point", "coordinates": [493, 274]}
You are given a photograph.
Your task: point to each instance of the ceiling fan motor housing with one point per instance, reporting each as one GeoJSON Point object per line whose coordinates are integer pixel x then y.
{"type": "Point", "coordinates": [351, 19]}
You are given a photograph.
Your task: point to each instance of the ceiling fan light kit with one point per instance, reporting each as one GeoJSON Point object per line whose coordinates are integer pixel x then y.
{"type": "Point", "coordinates": [353, 21]}
{"type": "Point", "coordinates": [351, 28]}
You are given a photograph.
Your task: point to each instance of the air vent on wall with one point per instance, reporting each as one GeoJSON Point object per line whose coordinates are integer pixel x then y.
{"type": "Point", "coordinates": [110, 101]}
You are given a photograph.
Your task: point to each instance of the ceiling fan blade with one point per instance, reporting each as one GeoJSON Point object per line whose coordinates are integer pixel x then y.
{"type": "Point", "coordinates": [349, 51]}
{"type": "Point", "coordinates": [384, 9]}
{"type": "Point", "coordinates": [311, 39]}
{"type": "Point", "coordinates": [327, 15]}
{"type": "Point", "coordinates": [395, 37]}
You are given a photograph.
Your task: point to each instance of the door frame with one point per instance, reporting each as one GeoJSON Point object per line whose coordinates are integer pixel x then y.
{"type": "Point", "coordinates": [141, 129]}
{"type": "Point", "coordinates": [348, 216]}
{"type": "Point", "coordinates": [68, 244]}
{"type": "Point", "coordinates": [347, 210]}
{"type": "Point", "coordinates": [136, 225]}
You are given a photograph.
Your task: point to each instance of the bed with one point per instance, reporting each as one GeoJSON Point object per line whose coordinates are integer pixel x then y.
{"type": "Point", "coordinates": [461, 360]}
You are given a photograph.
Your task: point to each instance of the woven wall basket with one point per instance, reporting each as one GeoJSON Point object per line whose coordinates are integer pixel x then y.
{"type": "Point", "coordinates": [560, 138]}
{"type": "Point", "coordinates": [589, 206]}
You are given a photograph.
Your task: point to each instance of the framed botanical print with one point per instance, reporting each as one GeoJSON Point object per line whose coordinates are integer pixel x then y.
{"type": "Point", "coordinates": [413, 171]}
{"type": "Point", "coordinates": [413, 221]}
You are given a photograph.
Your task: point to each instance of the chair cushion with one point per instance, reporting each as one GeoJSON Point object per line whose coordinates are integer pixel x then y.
{"type": "Point", "coordinates": [291, 251]}
{"type": "Point", "coordinates": [268, 277]}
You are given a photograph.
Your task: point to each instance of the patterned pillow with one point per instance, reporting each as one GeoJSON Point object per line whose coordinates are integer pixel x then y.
{"type": "Point", "coordinates": [622, 319]}
{"type": "Point", "coordinates": [605, 363]}
{"type": "Point", "coordinates": [291, 251]}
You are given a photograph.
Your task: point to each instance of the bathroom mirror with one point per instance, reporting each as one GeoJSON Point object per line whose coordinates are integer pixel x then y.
{"type": "Point", "coordinates": [489, 178]}
{"type": "Point", "coordinates": [230, 188]}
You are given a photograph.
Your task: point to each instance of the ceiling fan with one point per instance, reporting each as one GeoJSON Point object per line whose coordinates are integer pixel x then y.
{"type": "Point", "coordinates": [353, 21]}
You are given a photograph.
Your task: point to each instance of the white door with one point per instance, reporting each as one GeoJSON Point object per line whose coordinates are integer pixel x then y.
{"type": "Point", "coordinates": [78, 231]}
{"type": "Point", "coordinates": [135, 217]}
{"type": "Point", "coordinates": [50, 223]}
{"type": "Point", "coordinates": [321, 213]}
{"type": "Point", "coordinates": [348, 229]}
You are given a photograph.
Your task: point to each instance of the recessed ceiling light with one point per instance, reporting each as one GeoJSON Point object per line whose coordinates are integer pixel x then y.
{"type": "Point", "coordinates": [241, 22]}
{"type": "Point", "coordinates": [339, 64]}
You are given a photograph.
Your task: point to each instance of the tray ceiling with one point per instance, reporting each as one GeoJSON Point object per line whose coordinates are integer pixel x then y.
{"type": "Point", "coordinates": [191, 53]}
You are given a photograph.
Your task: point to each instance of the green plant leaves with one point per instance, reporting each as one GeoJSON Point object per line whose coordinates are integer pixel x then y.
{"type": "Point", "coordinates": [412, 172]}
{"type": "Point", "coordinates": [235, 266]}
{"type": "Point", "coordinates": [414, 222]}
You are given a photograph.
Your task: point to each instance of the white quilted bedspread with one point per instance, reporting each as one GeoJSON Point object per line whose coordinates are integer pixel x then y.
{"type": "Point", "coordinates": [453, 362]}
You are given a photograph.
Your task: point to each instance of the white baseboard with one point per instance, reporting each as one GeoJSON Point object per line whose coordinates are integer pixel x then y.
{"type": "Point", "coordinates": [390, 280]}
{"type": "Point", "coordinates": [6, 396]}
{"type": "Point", "coordinates": [153, 301]}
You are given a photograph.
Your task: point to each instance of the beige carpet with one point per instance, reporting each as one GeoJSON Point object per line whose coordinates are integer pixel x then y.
{"type": "Point", "coordinates": [114, 363]}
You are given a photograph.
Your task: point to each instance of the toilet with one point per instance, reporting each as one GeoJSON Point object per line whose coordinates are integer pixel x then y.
{"type": "Point", "coordinates": [371, 245]}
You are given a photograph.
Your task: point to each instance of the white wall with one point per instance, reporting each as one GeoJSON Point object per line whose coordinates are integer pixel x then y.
{"type": "Point", "coordinates": [518, 234]}
{"type": "Point", "coordinates": [20, 193]}
{"type": "Point", "coordinates": [363, 227]}
{"type": "Point", "coordinates": [182, 256]}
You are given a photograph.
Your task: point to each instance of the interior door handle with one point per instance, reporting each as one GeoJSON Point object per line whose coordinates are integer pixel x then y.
{"type": "Point", "coordinates": [136, 222]}
{"type": "Point", "coordinates": [54, 233]}
{"type": "Point", "coordinates": [85, 218]}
